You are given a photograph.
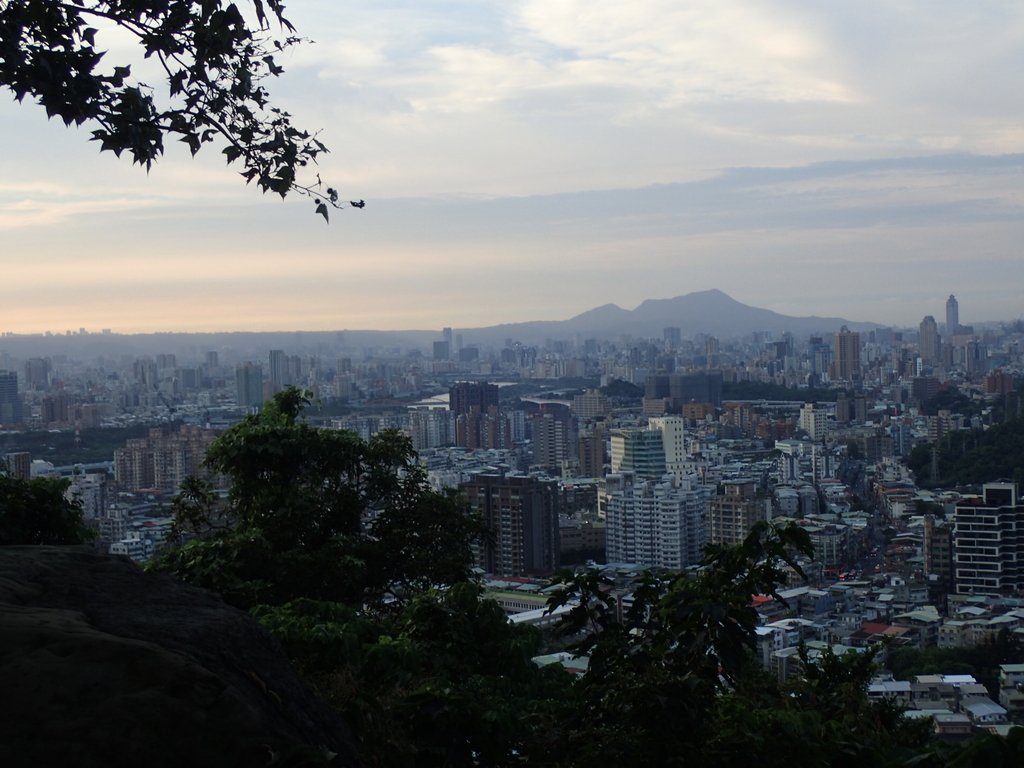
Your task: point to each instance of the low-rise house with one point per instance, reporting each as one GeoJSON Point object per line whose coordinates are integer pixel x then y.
{"type": "Point", "coordinates": [984, 711]}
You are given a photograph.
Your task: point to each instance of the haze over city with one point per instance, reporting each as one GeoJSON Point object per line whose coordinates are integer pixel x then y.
{"type": "Point", "coordinates": [533, 160]}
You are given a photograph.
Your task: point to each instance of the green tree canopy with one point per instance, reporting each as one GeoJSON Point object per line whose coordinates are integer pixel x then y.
{"type": "Point", "coordinates": [318, 514]}
{"type": "Point", "coordinates": [214, 64]}
{"type": "Point", "coordinates": [39, 511]}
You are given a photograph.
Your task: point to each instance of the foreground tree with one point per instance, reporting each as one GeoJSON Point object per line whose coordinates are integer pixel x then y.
{"type": "Point", "coordinates": [39, 511]}
{"type": "Point", "coordinates": [318, 514]}
{"type": "Point", "coordinates": [214, 64]}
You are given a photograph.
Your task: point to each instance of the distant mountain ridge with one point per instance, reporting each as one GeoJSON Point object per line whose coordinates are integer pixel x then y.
{"type": "Point", "coordinates": [711, 312]}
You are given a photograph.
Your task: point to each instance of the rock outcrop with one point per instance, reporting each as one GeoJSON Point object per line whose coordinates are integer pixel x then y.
{"type": "Point", "coordinates": [103, 664]}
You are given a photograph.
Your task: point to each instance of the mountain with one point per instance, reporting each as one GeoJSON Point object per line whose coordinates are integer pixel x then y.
{"type": "Point", "coordinates": [712, 312]}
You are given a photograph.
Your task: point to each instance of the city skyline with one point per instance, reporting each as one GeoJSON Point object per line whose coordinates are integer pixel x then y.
{"type": "Point", "coordinates": [527, 161]}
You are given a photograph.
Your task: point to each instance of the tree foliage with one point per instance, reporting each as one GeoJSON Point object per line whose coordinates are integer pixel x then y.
{"type": "Point", "coordinates": [318, 514]}
{"type": "Point", "coordinates": [973, 457]}
{"type": "Point", "coordinates": [39, 511]}
{"type": "Point", "coordinates": [213, 62]}
{"type": "Point", "coordinates": [950, 398]}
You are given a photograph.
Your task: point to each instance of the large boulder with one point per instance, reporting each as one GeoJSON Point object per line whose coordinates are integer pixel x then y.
{"type": "Point", "coordinates": [103, 664]}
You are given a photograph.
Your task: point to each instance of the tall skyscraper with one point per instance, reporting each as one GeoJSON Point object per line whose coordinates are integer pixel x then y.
{"type": "Point", "coordinates": [278, 370]}
{"type": "Point", "coordinates": [846, 360]}
{"type": "Point", "coordinates": [928, 341]}
{"type": "Point", "coordinates": [10, 400]}
{"type": "Point", "coordinates": [249, 385]}
{"type": "Point", "coordinates": [988, 542]}
{"type": "Point", "coordinates": [521, 514]}
{"type": "Point", "coordinates": [952, 316]}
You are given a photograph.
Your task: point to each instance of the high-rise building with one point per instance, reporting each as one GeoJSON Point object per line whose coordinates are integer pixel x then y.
{"type": "Point", "coordinates": [734, 512]}
{"type": "Point", "coordinates": [673, 442]}
{"type": "Point", "coordinates": [466, 394]}
{"type": "Point", "coordinates": [937, 551]}
{"type": "Point", "coordinates": [161, 460]}
{"type": "Point", "coordinates": [249, 385]}
{"type": "Point", "coordinates": [679, 389]}
{"type": "Point", "coordinates": [18, 465]}
{"type": "Point", "coordinates": [813, 421]}
{"type": "Point", "coordinates": [483, 429]}
{"type": "Point", "coordinates": [521, 513]}
{"type": "Point", "coordinates": [279, 378]}
{"type": "Point", "coordinates": [639, 451]}
{"type": "Point", "coordinates": [442, 350]}
{"type": "Point", "coordinates": [554, 439]}
{"type": "Point", "coordinates": [590, 451]}
{"type": "Point", "coordinates": [952, 316]}
{"type": "Point", "coordinates": [988, 542]}
{"type": "Point", "coordinates": [928, 342]}
{"type": "Point", "coordinates": [146, 373]}
{"type": "Point", "coordinates": [431, 428]}
{"type": "Point", "coordinates": [37, 372]}
{"type": "Point", "coordinates": [10, 400]}
{"type": "Point", "coordinates": [592, 404]}
{"type": "Point", "coordinates": [655, 524]}
{"type": "Point", "coordinates": [846, 359]}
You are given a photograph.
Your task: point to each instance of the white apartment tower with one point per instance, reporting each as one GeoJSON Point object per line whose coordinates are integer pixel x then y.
{"type": "Point", "coordinates": [673, 442]}
{"type": "Point", "coordinates": [655, 524]}
{"type": "Point", "coordinates": [813, 421]}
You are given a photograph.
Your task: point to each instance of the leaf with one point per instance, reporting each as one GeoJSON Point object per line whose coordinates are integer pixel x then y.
{"type": "Point", "coordinates": [322, 210]}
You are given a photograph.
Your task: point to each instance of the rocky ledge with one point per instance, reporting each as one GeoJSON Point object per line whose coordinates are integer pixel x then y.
{"type": "Point", "coordinates": [103, 664]}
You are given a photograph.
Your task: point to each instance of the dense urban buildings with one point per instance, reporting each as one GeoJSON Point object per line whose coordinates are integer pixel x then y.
{"type": "Point", "coordinates": [706, 426]}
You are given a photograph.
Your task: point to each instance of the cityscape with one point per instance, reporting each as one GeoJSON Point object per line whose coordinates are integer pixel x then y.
{"type": "Point", "coordinates": [434, 384]}
{"type": "Point", "coordinates": [623, 453]}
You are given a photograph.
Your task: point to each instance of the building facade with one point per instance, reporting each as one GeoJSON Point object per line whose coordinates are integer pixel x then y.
{"type": "Point", "coordinates": [734, 512]}
{"type": "Point", "coordinates": [521, 515]}
{"type": "Point", "coordinates": [988, 542]}
{"type": "Point", "coordinates": [655, 524]}
{"type": "Point", "coordinates": [846, 359]}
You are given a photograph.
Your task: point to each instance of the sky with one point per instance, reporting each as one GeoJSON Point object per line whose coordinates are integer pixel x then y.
{"type": "Point", "coordinates": [528, 160]}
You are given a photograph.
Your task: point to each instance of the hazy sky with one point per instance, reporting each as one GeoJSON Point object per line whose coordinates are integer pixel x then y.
{"type": "Point", "coordinates": [532, 160]}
